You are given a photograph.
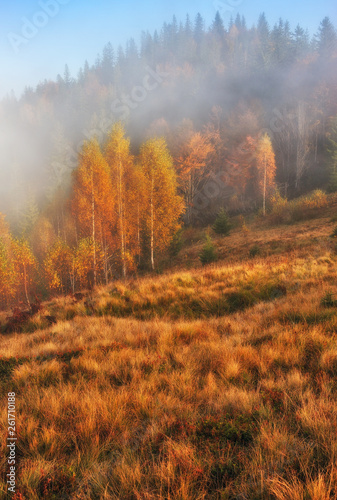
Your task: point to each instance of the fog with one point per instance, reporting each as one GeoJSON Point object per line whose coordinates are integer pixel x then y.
{"type": "Point", "coordinates": [180, 72]}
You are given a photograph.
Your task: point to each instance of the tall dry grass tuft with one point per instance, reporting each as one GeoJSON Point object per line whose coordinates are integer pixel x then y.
{"type": "Point", "coordinates": [209, 383]}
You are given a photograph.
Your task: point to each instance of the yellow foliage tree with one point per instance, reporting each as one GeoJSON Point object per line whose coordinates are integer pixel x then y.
{"type": "Point", "coordinates": [42, 237]}
{"type": "Point", "coordinates": [84, 255]}
{"type": "Point", "coordinates": [93, 198]}
{"type": "Point", "coordinates": [266, 167]}
{"type": "Point", "coordinates": [121, 168]}
{"type": "Point", "coordinates": [24, 265]}
{"type": "Point", "coordinates": [59, 267]}
{"type": "Point", "coordinates": [163, 207]}
{"type": "Point", "coordinates": [136, 197]}
{"type": "Point", "coordinates": [8, 282]}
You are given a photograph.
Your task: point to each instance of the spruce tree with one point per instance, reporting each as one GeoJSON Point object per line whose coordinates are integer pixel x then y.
{"type": "Point", "coordinates": [326, 38]}
{"type": "Point", "coordinates": [218, 27]}
{"type": "Point", "coordinates": [222, 224]}
{"type": "Point", "coordinates": [199, 28]}
{"type": "Point", "coordinates": [208, 253]}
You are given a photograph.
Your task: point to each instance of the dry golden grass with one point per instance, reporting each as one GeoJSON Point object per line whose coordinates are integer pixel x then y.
{"type": "Point", "coordinates": [181, 386]}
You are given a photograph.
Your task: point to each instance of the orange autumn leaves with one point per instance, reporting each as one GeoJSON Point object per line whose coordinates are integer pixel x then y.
{"type": "Point", "coordinates": [122, 208]}
{"type": "Point", "coordinates": [17, 266]}
{"type": "Point", "coordinates": [8, 278]}
{"type": "Point", "coordinates": [253, 159]}
{"type": "Point", "coordinates": [123, 204]}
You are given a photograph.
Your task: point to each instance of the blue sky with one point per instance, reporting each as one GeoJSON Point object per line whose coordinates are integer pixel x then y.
{"type": "Point", "coordinates": [38, 37]}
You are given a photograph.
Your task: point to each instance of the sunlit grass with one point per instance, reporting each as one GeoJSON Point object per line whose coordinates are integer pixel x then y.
{"type": "Point", "coordinates": [212, 383]}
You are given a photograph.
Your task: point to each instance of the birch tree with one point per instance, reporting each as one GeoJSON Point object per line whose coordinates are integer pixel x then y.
{"type": "Point", "coordinates": [25, 265]}
{"type": "Point", "coordinates": [163, 206]}
{"type": "Point", "coordinates": [121, 169]}
{"type": "Point", "coordinates": [266, 167]}
{"type": "Point", "coordinates": [92, 200]}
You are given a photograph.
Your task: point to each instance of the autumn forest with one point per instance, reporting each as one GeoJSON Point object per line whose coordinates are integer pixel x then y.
{"type": "Point", "coordinates": [157, 136]}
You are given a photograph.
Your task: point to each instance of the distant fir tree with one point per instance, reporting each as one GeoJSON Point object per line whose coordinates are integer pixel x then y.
{"type": "Point", "coordinates": [131, 50]}
{"type": "Point", "coordinates": [282, 43]}
{"type": "Point", "coordinates": [107, 65]}
{"type": "Point", "coordinates": [238, 22]}
{"type": "Point", "coordinates": [301, 43]}
{"type": "Point", "coordinates": [146, 47]}
{"type": "Point", "coordinates": [199, 29]}
{"type": "Point", "coordinates": [67, 77]}
{"type": "Point", "coordinates": [263, 33]}
{"type": "Point", "coordinates": [326, 38]}
{"type": "Point", "coordinates": [218, 28]}
{"type": "Point", "coordinates": [188, 26]}
{"type": "Point", "coordinates": [263, 26]}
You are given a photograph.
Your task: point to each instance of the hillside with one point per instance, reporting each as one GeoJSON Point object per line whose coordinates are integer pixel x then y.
{"type": "Point", "coordinates": [215, 382]}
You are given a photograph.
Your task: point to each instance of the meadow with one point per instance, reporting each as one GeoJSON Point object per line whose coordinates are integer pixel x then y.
{"type": "Point", "coordinates": [203, 382]}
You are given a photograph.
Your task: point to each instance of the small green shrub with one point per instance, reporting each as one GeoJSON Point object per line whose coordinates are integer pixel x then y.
{"type": "Point", "coordinates": [334, 234]}
{"type": "Point", "coordinates": [328, 300]}
{"type": "Point", "coordinates": [239, 430]}
{"type": "Point", "coordinates": [272, 291]}
{"type": "Point", "coordinates": [254, 251]}
{"type": "Point", "coordinates": [238, 301]}
{"type": "Point", "coordinates": [176, 244]}
{"type": "Point", "coordinates": [311, 355]}
{"type": "Point", "coordinates": [273, 397]}
{"type": "Point", "coordinates": [8, 365]}
{"type": "Point", "coordinates": [332, 187]}
{"type": "Point", "coordinates": [70, 314]}
{"type": "Point", "coordinates": [222, 224]}
{"type": "Point", "coordinates": [208, 253]}
{"type": "Point", "coordinates": [221, 473]}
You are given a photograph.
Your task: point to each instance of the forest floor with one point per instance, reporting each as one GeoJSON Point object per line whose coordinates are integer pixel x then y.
{"type": "Point", "coordinates": [214, 382]}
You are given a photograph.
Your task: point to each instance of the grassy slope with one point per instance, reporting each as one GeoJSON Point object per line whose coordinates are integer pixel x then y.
{"type": "Point", "coordinates": [208, 383]}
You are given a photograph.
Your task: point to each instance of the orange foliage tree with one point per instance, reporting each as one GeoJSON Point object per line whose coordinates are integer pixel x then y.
{"type": "Point", "coordinates": [190, 156]}
{"type": "Point", "coordinates": [84, 255]}
{"type": "Point", "coordinates": [216, 132]}
{"type": "Point", "coordinates": [25, 265]}
{"type": "Point", "coordinates": [42, 237]}
{"type": "Point", "coordinates": [59, 267]}
{"type": "Point", "coordinates": [136, 197]}
{"type": "Point", "coordinates": [92, 200]}
{"type": "Point", "coordinates": [240, 163]}
{"type": "Point", "coordinates": [8, 277]}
